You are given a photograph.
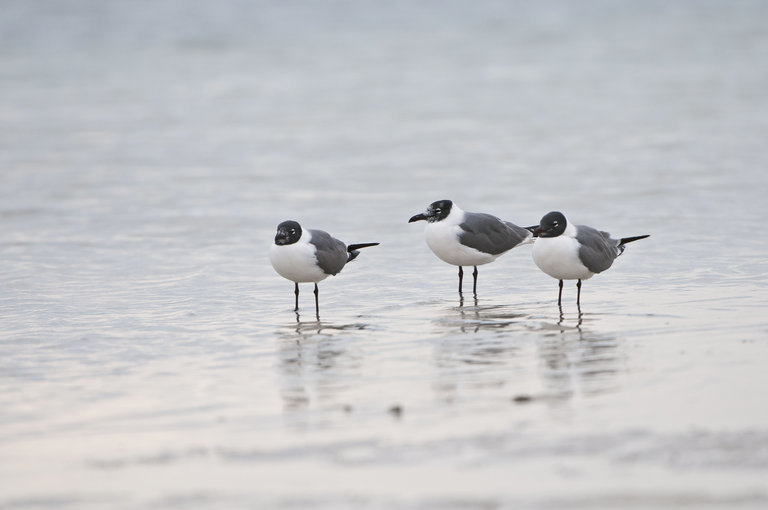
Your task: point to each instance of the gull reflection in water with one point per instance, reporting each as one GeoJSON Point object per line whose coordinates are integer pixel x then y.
{"type": "Point", "coordinates": [473, 317]}
{"type": "Point", "coordinates": [575, 360]}
{"type": "Point", "coordinates": [315, 363]}
{"type": "Point", "coordinates": [477, 348]}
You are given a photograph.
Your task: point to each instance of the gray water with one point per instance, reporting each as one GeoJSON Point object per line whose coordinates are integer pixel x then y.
{"type": "Point", "coordinates": [150, 356]}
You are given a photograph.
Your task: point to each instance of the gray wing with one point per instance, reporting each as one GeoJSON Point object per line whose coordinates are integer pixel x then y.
{"type": "Point", "coordinates": [489, 234]}
{"type": "Point", "coordinates": [597, 251]}
{"type": "Point", "coordinates": [330, 252]}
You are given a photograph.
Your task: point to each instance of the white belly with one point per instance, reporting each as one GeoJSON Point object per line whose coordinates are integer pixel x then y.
{"type": "Point", "coordinates": [296, 262]}
{"type": "Point", "coordinates": [559, 258]}
{"type": "Point", "coordinates": [442, 239]}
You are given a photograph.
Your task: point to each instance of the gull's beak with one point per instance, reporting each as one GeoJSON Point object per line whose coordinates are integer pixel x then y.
{"type": "Point", "coordinates": [535, 230]}
{"type": "Point", "coordinates": [418, 217]}
{"type": "Point", "coordinates": [281, 236]}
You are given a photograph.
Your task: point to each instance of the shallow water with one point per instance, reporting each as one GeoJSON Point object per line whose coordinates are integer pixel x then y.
{"type": "Point", "coordinates": [150, 357]}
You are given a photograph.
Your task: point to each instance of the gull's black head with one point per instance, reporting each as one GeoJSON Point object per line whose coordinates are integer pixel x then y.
{"type": "Point", "coordinates": [436, 211]}
{"type": "Point", "coordinates": [288, 232]}
{"type": "Point", "coordinates": [551, 225]}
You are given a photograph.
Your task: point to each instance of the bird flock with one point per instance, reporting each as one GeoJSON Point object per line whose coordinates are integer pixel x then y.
{"type": "Point", "coordinates": [561, 249]}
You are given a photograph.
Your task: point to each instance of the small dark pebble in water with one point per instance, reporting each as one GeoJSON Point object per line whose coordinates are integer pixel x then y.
{"type": "Point", "coordinates": [522, 399]}
{"type": "Point", "coordinates": [396, 411]}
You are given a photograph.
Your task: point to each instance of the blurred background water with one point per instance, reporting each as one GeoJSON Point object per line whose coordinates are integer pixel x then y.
{"type": "Point", "coordinates": [150, 357]}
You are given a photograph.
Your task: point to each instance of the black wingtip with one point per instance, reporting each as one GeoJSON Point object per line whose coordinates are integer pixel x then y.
{"type": "Point", "coordinates": [353, 247]}
{"type": "Point", "coordinates": [625, 240]}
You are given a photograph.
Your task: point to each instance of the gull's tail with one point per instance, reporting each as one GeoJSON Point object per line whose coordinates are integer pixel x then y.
{"type": "Point", "coordinates": [352, 249]}
{"type": "Point", "coordinates": [625, 240]}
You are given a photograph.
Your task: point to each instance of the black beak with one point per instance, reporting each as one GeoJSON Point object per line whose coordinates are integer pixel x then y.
{"type": "Point", "coordinates": [281, 237]}
{"type": "Point", "coordinates": [418, 217]}
{"type": "Point", "coordinates": [537, 231]}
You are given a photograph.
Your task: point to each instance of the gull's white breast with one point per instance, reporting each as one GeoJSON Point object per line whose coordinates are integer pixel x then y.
{"type": "Point", "coordinates": [559, 258]}
{"type": "Point", "coordinates": [443, 239]}
{"type": "Point", "coordinates": [296, 262]}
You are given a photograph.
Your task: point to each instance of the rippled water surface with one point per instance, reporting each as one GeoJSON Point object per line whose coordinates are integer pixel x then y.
{"type": "Point", "coordinates": [150, 357]}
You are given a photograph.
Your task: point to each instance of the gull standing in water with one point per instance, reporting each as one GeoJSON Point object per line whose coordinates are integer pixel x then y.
{"type": "Point", "coordinates": [465, 238]}
{"type": "Point", "coordinates": [574, 252]}
{"type": "Point", "coordinates": [309, 256]}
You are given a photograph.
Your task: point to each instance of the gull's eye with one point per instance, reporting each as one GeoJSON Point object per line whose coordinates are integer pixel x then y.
{"type": "Point", "coordinates": [438, 211]}
{"type": "Point", "coordinates": [293, 231]}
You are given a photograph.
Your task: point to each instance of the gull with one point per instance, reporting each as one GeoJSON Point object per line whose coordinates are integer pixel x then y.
{"type": "Point", "coordinates": [309, 255]}
{"type": "Point", "coordinates": [465, 238]}
{"type": "Point", "coordinates": [574, 252]}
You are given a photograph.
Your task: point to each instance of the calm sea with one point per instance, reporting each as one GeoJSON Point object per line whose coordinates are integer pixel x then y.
{"type": "Point", "coordinates": [149, 354]}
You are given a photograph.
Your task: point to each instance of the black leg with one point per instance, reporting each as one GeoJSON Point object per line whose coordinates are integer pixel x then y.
{"type": "Point", "coordinates": [474, 285]}
{"type": "Point", "coordinates": [560, 294]}
{"type": "Point", "coordinates": [317, 302]}
{"type": "Point", "coordinates": [297, 296]}
{"type": "Point", "coordinates": [461, 277]}
{"type": "Point", "coordinates": [578, 293]}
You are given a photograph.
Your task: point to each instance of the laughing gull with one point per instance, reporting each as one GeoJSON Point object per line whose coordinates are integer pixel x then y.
{"type": "Point", "coordinates": [466, 238]}
{"type": "Point", "coordinates": [309, 256]}
{"type": "Point", "coordinates": [574, 252]}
